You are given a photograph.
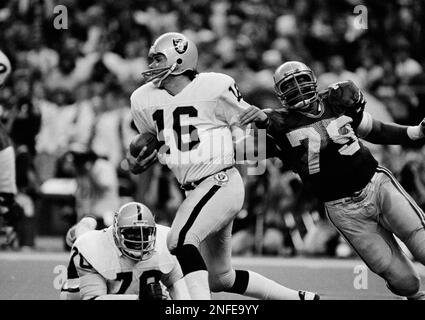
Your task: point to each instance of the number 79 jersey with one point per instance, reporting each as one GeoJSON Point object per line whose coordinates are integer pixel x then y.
{"type": "Point", "coordinates": [193, 126]}
{"type": "Point", "coordinates": [324, 149]}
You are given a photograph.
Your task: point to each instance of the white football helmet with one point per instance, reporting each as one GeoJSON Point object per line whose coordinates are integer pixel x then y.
{"type": "Point", "coordinates": [135, 231]}
{"type": "Point", "coordinates": [181, 55]}
{"type": "Point", "coordinates": [5, 68]}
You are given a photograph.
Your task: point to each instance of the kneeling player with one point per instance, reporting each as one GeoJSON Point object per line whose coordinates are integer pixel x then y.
{"type": "Point", "coordinates": [128, 260]}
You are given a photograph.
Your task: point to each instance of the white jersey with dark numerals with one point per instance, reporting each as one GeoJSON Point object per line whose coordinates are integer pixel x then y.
{"type": "Point", "coordinates": [103, 269]}
{"type": "Point", "coordinates": [7, 163]}
{"type": "Point", "coordinates": [194, 126]}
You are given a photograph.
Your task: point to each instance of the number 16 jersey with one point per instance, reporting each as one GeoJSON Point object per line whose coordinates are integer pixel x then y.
{"type": "Point", "coordinates": [324, 149]}
{"type": "Point", "coordinates": [194, 127]}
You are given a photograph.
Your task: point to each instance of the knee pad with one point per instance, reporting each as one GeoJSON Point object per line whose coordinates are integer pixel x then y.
{"type": "Point", "coordinates": [190, 259]}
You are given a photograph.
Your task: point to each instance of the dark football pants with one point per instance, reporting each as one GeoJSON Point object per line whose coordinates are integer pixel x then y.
{"type": "Point", "coordinates": [204, 219]}
{"type": "Point", "coordinates": [369, 222]}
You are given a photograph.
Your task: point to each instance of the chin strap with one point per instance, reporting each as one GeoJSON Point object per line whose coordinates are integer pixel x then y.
{"type": "Point", "coordinates": [170, 70]}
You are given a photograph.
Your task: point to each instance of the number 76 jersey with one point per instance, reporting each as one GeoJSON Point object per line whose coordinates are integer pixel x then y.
{"type": "Point", "coordinates": [324, 149]}
{"type": "Point", "coordinates": [193, 126]}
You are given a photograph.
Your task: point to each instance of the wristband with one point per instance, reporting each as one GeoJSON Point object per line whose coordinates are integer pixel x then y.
{"type": "Point", "coordinates": [415, 132]}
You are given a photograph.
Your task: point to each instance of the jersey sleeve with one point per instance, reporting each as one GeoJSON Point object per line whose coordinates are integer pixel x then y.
{"type": "Point", "coordinates": [365, 126]}
{"type": "Point", "coordinates": [139, 115]}
{"type": "Point", "coordinates": [92, 284]}
{"type": "Point", "coordinates": [356, 112]}
{"type": "Point", "coordinates": [230, 103]}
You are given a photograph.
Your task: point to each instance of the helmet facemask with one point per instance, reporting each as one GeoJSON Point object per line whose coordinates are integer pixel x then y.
{"type": "Point", "coordinates": [297, 91]}
{"type": "Point", "coordinates": [157, 75]}
{"type": "Point", "coordinates": [136, 242]}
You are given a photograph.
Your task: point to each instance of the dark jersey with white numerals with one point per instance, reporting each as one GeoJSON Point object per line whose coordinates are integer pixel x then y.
{"type": "Point", "coordinates": [324, 150]}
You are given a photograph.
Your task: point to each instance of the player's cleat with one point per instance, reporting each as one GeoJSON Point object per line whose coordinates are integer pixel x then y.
{"type": "Point", "coordinates": [306, 295]}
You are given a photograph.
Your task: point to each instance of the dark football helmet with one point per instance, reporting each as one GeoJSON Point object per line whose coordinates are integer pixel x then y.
{"type": "Point", "coordinates": [135, 231]}
{"type": "Point", "coordinates": [295, 85]}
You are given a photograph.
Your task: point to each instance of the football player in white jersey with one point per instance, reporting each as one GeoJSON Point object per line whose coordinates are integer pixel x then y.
{"type": "Point", "coordinates": [8, 187]}
{"type": "Point", "coordinates": [193, 116]}
{"type": "Point", "coordinates": [10, 211]}
{"type": "Point", "coordinates": [126, 261]}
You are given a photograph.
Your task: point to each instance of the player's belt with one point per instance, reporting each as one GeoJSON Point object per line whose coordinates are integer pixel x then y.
{"type": "Point", "coordinates": [354, 195]}
{"type": "Point", "coordinates": [192, 185]}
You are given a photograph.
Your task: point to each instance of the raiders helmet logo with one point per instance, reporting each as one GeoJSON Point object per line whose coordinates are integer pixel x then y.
{"type": "Point", "coordinates": [180, 45]}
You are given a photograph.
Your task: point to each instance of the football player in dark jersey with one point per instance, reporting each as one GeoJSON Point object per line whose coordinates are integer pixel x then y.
{"type": "Point", "coordinates": [317, 134]}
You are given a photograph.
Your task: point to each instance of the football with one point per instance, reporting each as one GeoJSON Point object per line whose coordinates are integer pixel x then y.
{"type": "Point", "coordinates": [141, 140]}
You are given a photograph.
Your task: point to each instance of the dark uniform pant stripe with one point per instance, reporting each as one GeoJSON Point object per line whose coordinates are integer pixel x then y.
{"type": "Point", "coordinates": [196, 210]}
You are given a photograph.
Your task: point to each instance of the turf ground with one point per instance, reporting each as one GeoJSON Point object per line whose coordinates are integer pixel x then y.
{"type": "Point", "coordinates": [33, 276]}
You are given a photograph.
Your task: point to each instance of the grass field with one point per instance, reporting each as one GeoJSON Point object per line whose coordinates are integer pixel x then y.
{"type": "Point", "coordinates": [32, 276]}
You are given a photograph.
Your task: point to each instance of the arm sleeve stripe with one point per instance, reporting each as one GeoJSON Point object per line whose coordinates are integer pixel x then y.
{"type": "Point", "coordinates": [365, 126]}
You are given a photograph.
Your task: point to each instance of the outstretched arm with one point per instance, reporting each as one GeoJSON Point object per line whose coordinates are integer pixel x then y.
{"type": "Point", "coordinates": [379, 132]}
{"type": "Point", "coordinates": [87, 223]}
{"type": "Point", "coordinates": [141, 163]}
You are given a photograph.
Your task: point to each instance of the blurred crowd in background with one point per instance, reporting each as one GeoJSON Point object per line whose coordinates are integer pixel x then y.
{"type": "Point", "coordinates": [66, 105]}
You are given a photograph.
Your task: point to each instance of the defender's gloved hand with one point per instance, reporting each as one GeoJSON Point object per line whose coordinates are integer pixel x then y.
{"type": "Point", "coordinates": [346, 93]}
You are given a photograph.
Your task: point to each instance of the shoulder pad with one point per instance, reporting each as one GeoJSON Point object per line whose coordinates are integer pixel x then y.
{"type": "Point", "coordinates": [140, 93]}
{"type": "Point", "coordinates": [98, 248]}
{"type": "Point", "coordinates": [221, 78]}
{"type": "Point", "coordinates": [216, 82]}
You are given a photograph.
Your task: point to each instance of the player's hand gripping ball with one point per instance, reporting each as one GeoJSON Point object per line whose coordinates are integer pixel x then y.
{"type": "Point", "coordinates": [142, 152]}
{"type": "Point", "coordinates": [140, 141]}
